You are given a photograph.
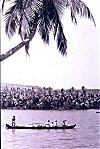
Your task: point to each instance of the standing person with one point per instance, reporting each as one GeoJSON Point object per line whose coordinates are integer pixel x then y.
{"type": "Point", "coordinates": [13, 121]}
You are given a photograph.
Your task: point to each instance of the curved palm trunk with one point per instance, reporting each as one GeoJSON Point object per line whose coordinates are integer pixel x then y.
{"type": "Point", "coordinates": [13, 50]}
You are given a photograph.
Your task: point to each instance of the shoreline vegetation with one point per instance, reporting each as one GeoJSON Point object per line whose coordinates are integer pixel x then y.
{"type": "Point", "coordinates": [42, 98]}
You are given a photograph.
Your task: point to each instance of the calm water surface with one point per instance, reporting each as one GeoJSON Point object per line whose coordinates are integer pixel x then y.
{"type": "Point", "coordinates": [86, 134]}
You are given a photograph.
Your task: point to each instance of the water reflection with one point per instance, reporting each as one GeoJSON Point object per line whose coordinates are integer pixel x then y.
{"type": "Point", "coordinates": [13, 131]}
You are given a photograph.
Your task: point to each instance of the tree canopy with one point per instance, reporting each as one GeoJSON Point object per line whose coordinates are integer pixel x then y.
{"type": "Point", "coordinates": [28, 16]}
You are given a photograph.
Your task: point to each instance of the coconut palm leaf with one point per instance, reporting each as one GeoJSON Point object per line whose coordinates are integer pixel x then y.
{"type": "Point", "coordinates": [3, 5]}
{"type": "Point", "coordinates": [44, 22]}
{"type": "Point", "coordinates": [11, 20]}
{"type": "Point", "coordinates": [78, 7]}
{"type": "Point", "coordinates": [33, 23]}
{"type": "Point", "coordinates": [20, 16]}
{"type": "Point", "coordinates": [50, 20]}
{"type": "Point", "coordinates": [61, 41]}
{"type": "Point", "coordinates": [58, 28]}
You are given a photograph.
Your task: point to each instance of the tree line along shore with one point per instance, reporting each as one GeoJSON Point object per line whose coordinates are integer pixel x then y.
{"type": "Point", "coordinates": [38, 98]}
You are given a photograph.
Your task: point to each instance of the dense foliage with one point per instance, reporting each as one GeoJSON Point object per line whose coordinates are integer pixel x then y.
{"type": "Point", "coordinates": [48, 99]}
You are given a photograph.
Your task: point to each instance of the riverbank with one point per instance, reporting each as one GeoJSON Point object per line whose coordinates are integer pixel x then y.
{"type": "Point", "coordinates": [38, 98]}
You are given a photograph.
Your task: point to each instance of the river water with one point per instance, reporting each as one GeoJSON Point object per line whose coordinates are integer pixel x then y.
{"type": "Point", "coordinates": [86, 135]}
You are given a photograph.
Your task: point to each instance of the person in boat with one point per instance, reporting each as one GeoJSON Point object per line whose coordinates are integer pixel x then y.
{"type": "Point", "coordinates": [48, 123]}
{"type": "Point", "coordinates": [52, 124]}
{"type": "Point", "coordinates": [55, 123]}
{"type": "Point", "coordinates": [64, 123]}
{"type": "Point", "coordinates": [13, 121]}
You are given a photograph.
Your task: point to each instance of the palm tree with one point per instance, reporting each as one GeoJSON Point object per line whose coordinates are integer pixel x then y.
{"type": "Point", "coordinates": [44, 16]}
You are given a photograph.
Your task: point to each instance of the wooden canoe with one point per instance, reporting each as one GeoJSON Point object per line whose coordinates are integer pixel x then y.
{"type": "Point", "coordinates": [97, 111]}
{"type": "Point", "coordinates": [40, 127]}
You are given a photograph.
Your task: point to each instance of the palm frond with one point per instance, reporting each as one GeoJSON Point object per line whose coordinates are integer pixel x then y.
{"type": "Point", "coordinates": [60, 6]}
{"type": "Point", "coordinates": [12, 18]}
{"type": "Point", "coordinates": [50, 19]}
{"type": "Point", "coordinates": [78, 7]}
{"type": "Point", "coordinates": [33, 24]}
{"type": "Point", "coordinates": [56, 22]}
{"type": "Point", "coordinates": [43, 29]}
{"type": "Point", "coordinates": [26, 13]}
{"type": "Point", "coordinates": [44, 21]}
{"type": "Point", "coordinates": [3, 4]}
{"type": "Point", "coordinates": [37, 4]}
{"type": "Point", "coordinates": [24, 27]}
{"type": "Point", "coordinates": [57, 26]}
{"type": "Point", "coordinates": [73, 17]}
{"type": "Point", "coordinates": [31, 30]}
{"type": "Point", "coordinates": [27, 48]}
{"type": "Point", "coordinates": [27, 28]}
{"type": "Point", "coordinates": [61, 41]}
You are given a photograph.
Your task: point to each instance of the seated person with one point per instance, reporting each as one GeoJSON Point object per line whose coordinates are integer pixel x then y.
{"type": "Point", "coordinates": [55, 124]}
{"type": "Point", "coordinates": [52, 124]}
{"type": "Point", "coordinates": [48, 123]}
{"type": "Point", "coordinates": [63, 123]}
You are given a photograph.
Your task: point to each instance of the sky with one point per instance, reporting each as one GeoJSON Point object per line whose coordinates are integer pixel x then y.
{"type": "Point", "coordinates": [46, 67]}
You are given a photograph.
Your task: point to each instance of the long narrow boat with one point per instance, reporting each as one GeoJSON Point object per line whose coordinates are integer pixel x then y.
{"type": "Point", "coordinates": [40, 127]}
{"type": "Point", "coordinates": [97, 111]}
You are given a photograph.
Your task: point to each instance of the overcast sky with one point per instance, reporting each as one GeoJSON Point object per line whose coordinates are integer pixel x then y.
{"type": "Point", "coordinates": [47, 67]}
